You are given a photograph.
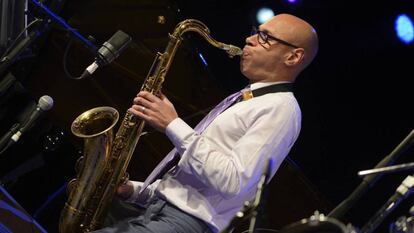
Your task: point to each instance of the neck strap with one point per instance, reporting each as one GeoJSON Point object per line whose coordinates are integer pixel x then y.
{"type": "Point", "coordinates": [281, 87]}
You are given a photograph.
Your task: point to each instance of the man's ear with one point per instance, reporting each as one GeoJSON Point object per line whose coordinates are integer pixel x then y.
{"type": "Point", "coordinates": [295, 57]}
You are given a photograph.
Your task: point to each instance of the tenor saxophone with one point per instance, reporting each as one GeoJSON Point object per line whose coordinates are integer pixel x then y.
{"type": "Point", "coordinates": [105, 160]}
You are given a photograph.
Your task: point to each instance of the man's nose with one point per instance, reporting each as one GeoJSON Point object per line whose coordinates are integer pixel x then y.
{"type": "Point", "coordinates": [251, 40]}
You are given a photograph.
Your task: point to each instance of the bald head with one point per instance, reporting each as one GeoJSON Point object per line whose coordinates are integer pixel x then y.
{"type": "Point", "coordinates": [297, 32]}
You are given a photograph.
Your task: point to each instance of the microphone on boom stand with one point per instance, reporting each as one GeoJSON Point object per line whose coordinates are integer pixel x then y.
{"type": "Point", "coordinates": [108, 52]}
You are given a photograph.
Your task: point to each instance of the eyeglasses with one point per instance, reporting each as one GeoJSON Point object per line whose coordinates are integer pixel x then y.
{"type": "Point", "coordinates": [264, 38]}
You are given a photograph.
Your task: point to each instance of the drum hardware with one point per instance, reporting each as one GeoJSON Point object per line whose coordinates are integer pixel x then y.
{"type": "Point", "coordinates": [370, 180]}
{"type": "Point", "coordinates": [401, 193]}
{"type": "Point", "coordinates": [402, 225]}
{"type": "Point", "coordinates": [319, 223]}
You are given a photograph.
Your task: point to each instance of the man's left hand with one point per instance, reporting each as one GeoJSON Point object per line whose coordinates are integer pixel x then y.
{"type": "Point", "coordinates": [156, 111]}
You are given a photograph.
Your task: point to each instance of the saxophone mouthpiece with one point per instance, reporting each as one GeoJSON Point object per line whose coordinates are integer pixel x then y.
{"type": "Point", "coordinates": [233, 50]}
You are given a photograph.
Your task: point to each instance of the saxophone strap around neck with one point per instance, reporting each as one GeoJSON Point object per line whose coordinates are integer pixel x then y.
{"type": "Point", "coordinates": [280, 87]}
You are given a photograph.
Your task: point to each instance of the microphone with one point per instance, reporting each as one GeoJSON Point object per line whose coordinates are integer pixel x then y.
{"type": "Point", "coordinates": [45, 103]}
{"type": "Point", "coordinates": [108, 52]}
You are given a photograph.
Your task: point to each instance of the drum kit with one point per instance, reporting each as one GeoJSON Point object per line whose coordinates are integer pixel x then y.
{"type": "Point", "coordinates": [319, 223]}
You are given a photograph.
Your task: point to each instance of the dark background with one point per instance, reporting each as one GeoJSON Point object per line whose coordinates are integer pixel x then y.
{"type": "Point", "coordinates": [356, 97]}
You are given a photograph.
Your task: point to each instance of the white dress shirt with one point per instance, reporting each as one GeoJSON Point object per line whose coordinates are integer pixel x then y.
{"type": "Point", "coordinates": [219, 169]}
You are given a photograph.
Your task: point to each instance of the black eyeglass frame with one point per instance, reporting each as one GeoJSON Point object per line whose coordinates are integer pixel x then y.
{"type": "Point", "coordinates": [265, 37]}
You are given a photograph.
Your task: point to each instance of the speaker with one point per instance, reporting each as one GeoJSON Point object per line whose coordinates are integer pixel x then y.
{"type": "Point", "coordinates": [13, 218]}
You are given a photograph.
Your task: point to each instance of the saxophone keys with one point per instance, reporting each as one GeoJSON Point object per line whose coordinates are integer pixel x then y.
{"type": "Point", "coordinates": [71, 186]}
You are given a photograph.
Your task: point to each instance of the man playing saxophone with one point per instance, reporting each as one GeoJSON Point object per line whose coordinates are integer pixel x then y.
{"type": "Point", "coordinates": [219, 163]}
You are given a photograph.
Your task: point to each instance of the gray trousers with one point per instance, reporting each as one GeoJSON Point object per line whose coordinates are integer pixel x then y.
{"type": "Point", "coordinates": [159, 217]}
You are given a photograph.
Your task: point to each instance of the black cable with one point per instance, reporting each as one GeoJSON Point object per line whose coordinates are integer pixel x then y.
{"type": "Point", "coordinates": [65, 68]}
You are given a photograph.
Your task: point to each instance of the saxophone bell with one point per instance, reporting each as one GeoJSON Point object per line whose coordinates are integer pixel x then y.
{"type": "Point", "coordinates": [95, 126]}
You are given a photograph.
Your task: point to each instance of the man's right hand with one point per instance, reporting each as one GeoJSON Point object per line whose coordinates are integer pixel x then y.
{"type": "Point", "coordinates": [125, 191]}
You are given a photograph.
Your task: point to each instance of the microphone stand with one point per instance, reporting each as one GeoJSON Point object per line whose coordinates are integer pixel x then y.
{"type": "Point", "coordinates": [259, 194]}
{"type": "Point", "coordinates": [402, 192]}
{"type": "Point", "coordinates": [370, 180]}
{"type": "Point", "coordinates": [245, 212]}
{"type": "Point", "coordinates": [4, 141]}
{"type": "Point", "coordinates": [249, 209]}
{"type": "Point", "coordinates": [8, 59]}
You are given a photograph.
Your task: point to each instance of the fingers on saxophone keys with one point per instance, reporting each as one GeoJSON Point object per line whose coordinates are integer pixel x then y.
{"type": "Point", "coordinates": [137, 100]}
{"type": "Point", "coordinates": [140, 111]}
{"type": "Point", "coordinates": [142, 101]}
{"type": "Point", "coordinates": [148, 96]}
{"type": "Point", "coordinates": [143, 93]}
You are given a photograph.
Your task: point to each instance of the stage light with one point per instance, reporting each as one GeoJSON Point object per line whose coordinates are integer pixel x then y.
{"type": "Point", "coordinates": [293, 2]}
{"type": "Point", "coordinates": [264, 14]}
{"type": "Point", "coordinates": [404, 28]}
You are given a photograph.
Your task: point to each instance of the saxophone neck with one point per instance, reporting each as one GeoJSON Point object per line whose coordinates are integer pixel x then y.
{"type": "Point", "coordinates": [199, 27]}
